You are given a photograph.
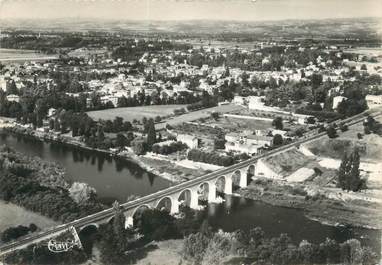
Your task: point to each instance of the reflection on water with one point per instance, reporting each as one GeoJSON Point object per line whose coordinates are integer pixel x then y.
{"type": "Point", "coordinates": [113, 178]}
{"type": "Point", "coordinates": [238, 212]}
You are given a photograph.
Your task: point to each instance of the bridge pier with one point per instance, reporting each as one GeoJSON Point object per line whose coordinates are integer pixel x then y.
{"type": "Point", "coordinates": [228, 185]}
{"type": "Point", "coordinates": [211, 192]}
{"type": "Point", "coordinates": [194, 200]}
{"type": "Point", "coordinates": [129, 222]}
{"type": "Point", "coordinates": [243, 178]}
{"type": "Point", "coordinates": [174, 206]}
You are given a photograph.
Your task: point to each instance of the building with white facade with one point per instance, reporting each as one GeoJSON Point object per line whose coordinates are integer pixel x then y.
{"type": "Point", "coordinates": [13, 98]}
{"type": "Point", "coordinates": [190, 140]}
{"type": "Point", "coordinates": [373, 101]}
{"type": "Point", "coordinates": [337, 100]}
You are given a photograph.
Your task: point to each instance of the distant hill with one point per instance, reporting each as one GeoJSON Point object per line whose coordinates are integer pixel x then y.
{"type": "Point", "coordinates": [291, 28]}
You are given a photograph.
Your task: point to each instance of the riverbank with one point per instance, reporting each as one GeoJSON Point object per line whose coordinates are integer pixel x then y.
{"type": "Point", "coordinates": [319, 205]}
{"type": "Point", "coordinates": [149, 165]}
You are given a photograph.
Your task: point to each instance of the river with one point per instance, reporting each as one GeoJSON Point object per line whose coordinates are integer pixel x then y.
{"type": "Point", "coordinates": [115, 178]}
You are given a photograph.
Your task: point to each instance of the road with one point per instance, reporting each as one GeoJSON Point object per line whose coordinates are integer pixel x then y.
{"type": "Point", "coordinates": [166, 192]}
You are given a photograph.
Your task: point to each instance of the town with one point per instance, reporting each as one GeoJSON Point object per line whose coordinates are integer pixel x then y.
{"type": "Point", "coordinates": [294, 122]}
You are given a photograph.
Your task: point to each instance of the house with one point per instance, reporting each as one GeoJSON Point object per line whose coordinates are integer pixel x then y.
{"type": "Point", "coordinates": [51, 112]}
{"type": "Point", "coordinates": [337, 100]}
{"type": "Point", "coordinates": [112, 99]}
{"type": "Point", "coordinates": [190, 140]}
{"type": "Point", "coordinates": [13, 98]}
{"type": "Point", "coordinates": [255, 102]}
{"type": "Point", "coordinates": [238, 100]}
{"type": "Point", "coordinates": [246, 142]}
{"type": "Point", "coordinates": [301, 118]}
{"type": "Point", "coordinates": [281, 132]}
{"type": "Point", "coordinates": [242, 148]}
{"type": "Point", "coordinates": [373, 101]}
{"type": "Point", "coordinates": [250, 139]}
{"type": "Point", "coordinates": [260, 140]}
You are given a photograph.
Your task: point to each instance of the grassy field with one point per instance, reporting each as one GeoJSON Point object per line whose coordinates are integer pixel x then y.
{"type": "Point", "coordinates": [370, 146]}
{"type": "Point", "coordinates": [13, 215]}
{"type": "Point", "coordinates": [203, 113]}
{"type": "Point", "coordinates": [164, 253]}
{"type": "Point", "coordinates": [10, 55]}
{"type": "Point", "coordinates": [289, 161]}
{"type": "Point", "coordinates": [131, 113]}
{"type": "Point", "coordinates": [231, 124]}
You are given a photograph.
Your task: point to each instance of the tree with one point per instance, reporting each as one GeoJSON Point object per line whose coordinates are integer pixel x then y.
{"type": "Point", "coordinates": [343, 171]}
{"type": "Point", "coordinates": [349, 174]}
{"type": "Point", "coordinates": [277, 140]}
{"type": "Point", "coordinates": [194, 247]}
{"type": "Point", "coordinates": [316, 80]}
{"type": "Point", "coordinates": [158, 119]}
{"type": "Point", "coordinates": [306, 250]}
{"type": "Point", "coordinates": [278, 123]}
{"type": "Point", "coordinates": [117, 124]}
{"type": "Point", "coordinates": [119, 228]}
{"type": "Point", "coordinates": [51, 124]}
{"type": "Point", "coordinates": [121, 140]}
{"type": "Point", "coordinates": [219, 141]}
{"type": "Point", "coordinates": [151, 133]}
{"type": "Point", "coordinates": [219, 247]}
{"type": "Point", "coordinates": [116, 239]}
{"type": "Point", "coordinates": [344, 127]}
{"type": "Point", "coordinates": [11, 87]}
{"type": "Point", "coordinates": [100, 134]}
{"type": "Point", "coordinates": [331, 132]}
{"type": "Point", "coordinates": [157, 225]}
{"type": "Point", "coordinates": [215, 115]}
{"type": "Point", "coordinates": [311, 120]}
{"type": "Point", "coordinates": [355, 182]}
{"type": "Point", "coordinates": [139, 147]}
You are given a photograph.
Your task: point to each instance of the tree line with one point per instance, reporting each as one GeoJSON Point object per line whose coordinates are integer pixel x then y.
{"type": "Point", "coordinates": [210, 158]}
{"type": "Point", "coordinates": [253, 247]}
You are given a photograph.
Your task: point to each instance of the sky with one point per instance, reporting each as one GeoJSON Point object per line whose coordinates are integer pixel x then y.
{"type": "Point", "coordinates": [244, 10]}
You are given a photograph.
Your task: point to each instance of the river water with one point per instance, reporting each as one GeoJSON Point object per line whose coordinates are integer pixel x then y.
{"type": "Point", "coordinates": [115, 178]}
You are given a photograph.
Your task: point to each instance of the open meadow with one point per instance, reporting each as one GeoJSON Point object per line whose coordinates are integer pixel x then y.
{"type": "Point", "coordinates": [131, 113]}
{"type": "Point", "coordinates": [12, 214]}
{"type": "Point", "coordinates": [12, 55]}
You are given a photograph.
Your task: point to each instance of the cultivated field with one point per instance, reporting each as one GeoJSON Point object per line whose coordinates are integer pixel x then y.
{"type": "Point", "coordinates": [131, 113]}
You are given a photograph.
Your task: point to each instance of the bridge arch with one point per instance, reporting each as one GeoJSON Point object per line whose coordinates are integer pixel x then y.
{"type": "Point", "coordinates": [189, 197]}
{"type": "Point", "coordinates": [184, 197]}
{"type": "Point", "coordinates": [224, 184]}
{"type": "Point", "coordinates": [139, 210]}
{"type": "Point", "coordinates": [207, 191]}
{"type": "Point", "coordinates": [110, 220]}
{"type": "Point", "coordinates": [203, 191]}
{"type": "Point", "coordinates": [251, 170]}
{"type": "Point", "coordinates": [169, 204]}
{"type": "Point", "coordinates": [135, 216]}
{"type": "Point", "coordinates": [91, 226]}
{"type": "Point", "coordinates": [236, 179]}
